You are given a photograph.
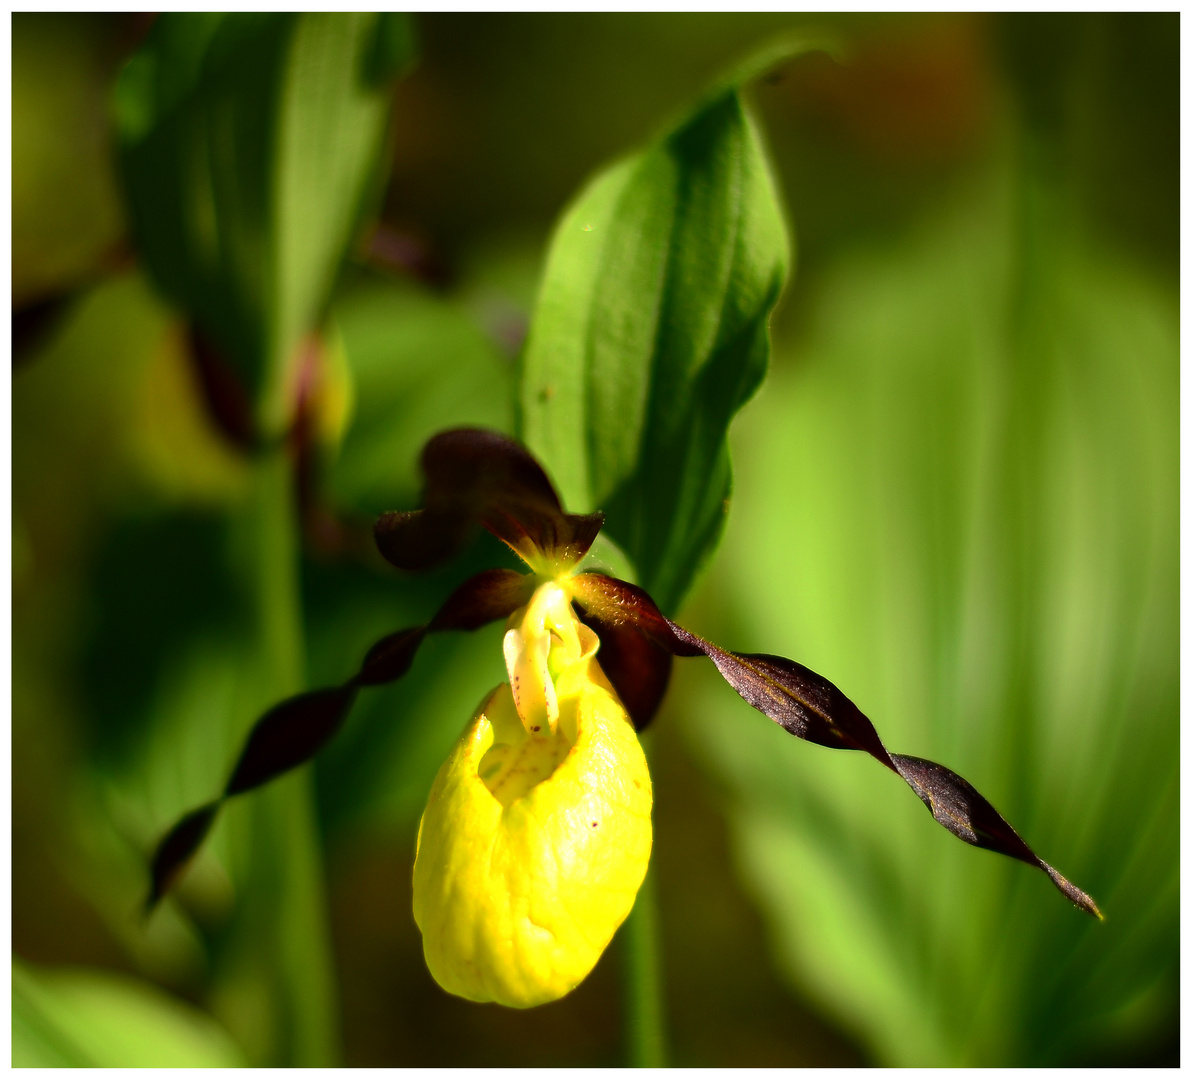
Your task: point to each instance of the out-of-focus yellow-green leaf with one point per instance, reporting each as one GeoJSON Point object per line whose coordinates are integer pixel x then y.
{"type": "Point", "coordinates": [107, 415]}
{"type": "Point", "coordinates": [110, 408]}
{"type": "Point", "coordinates": [250, 145]}
{"type": "Point", "coordinates": [66, 211]}
{"type": "Point", "coordinates": [958, 500]}
{"type": "Point", "coordinates": [73, 1018]}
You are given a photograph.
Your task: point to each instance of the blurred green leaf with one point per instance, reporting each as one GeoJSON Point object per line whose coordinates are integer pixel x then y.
{"type": "Point", "coordinates": [249, 144]}
{"type": "Point", "coordinates": [246, 917]}
{"type": "Point", "coordinates": [90, 1018]}
{"type": "Point", "coordinates": [961, 506]}
{"type": "Point", "coordinates": [419, 364]}
{"type": "Point", "coordinates": [651, 331]}
{"type": "Point", "coordinates": [108, 413]}
{"type": "Point", "coordinates": [394, 49]}
{"type": "Point", "coordinates": [159, 584]}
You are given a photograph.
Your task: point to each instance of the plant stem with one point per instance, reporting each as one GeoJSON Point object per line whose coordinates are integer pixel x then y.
{"type": "Point", "coordinates": [645, 1014]}
{"type": "Point", "coordinates": [288, 916]}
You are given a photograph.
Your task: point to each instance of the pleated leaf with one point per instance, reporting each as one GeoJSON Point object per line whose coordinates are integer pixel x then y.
{"type": "Point", "coordinates": [651, 331]}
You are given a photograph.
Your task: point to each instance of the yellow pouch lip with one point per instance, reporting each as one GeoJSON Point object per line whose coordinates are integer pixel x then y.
{"type": "Point", "coordinates": [516, 903]}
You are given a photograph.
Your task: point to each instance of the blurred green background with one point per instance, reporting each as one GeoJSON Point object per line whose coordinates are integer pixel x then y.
{"type": "Point", "coordinates": [956, 497]}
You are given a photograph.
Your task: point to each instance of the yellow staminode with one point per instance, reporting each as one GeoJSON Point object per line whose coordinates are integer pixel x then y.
{"type": "Point", "coordinates": [537, 834]}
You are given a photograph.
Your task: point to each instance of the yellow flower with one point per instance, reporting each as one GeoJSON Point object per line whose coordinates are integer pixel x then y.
{"type": "Point", "coordinates": [536, 836]}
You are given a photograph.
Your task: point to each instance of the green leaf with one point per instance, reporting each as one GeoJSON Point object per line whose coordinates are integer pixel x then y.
{"type": "Point", "coordinates": [651, 331]}
{"type": "Point", "coordinates": [78, 1018]}
{"type": "Point", "coordinates": [419, 364]}
{"type": "Point", "coordinates": [394, 49]}
{"type": "Point", "coordinates": [961, 505]}
{"type": "Point", "coordinates": [249, 146]}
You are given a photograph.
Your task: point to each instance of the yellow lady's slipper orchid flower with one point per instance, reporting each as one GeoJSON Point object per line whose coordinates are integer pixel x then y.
{"type": "Point", "coordinates": [536, 836]}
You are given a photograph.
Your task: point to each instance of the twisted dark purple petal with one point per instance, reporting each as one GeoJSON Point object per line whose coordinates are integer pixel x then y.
{"type": "Point", "coordinates": [295, 730]}
{"type": "Point", "coordinates": [812, 708]}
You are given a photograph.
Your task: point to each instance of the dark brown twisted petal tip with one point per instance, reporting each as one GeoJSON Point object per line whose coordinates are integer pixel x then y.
{"type": "Point", "coordinates": [812, 708]}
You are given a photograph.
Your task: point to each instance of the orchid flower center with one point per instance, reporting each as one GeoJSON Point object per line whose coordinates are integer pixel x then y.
{"type": "Point", "coordinates": [547, 650]}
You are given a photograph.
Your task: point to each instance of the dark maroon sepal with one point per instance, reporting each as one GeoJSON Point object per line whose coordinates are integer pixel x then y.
{"type": "Point", "coordinates": [563, 538]}
{"type": "Point", "coordinates": [812, 708]}
{"type": "Point", "coordinates": [478, 477]}
{"type": "Point", "coordinates": [421, 539]}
